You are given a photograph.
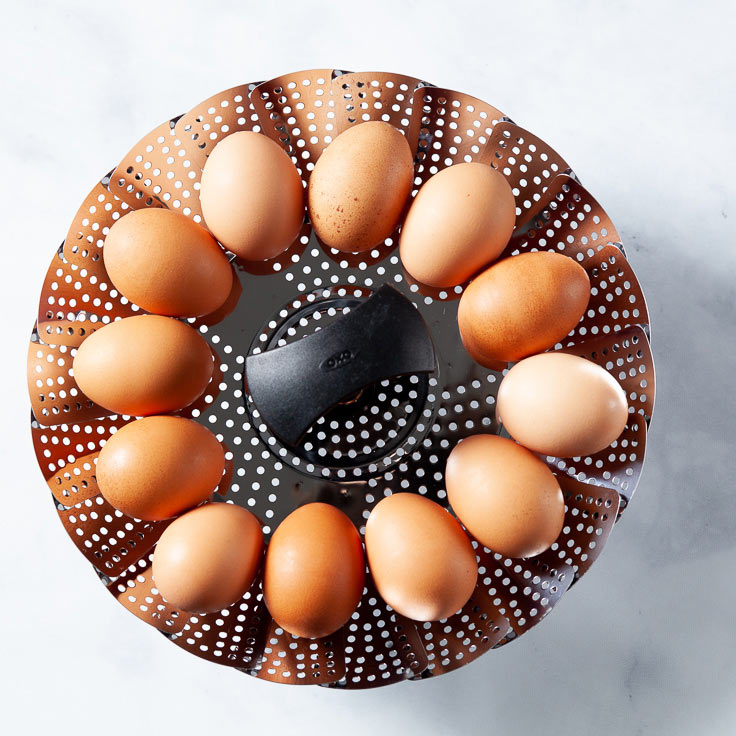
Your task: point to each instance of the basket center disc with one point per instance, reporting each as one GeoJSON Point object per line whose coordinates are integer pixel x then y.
{"type": "Point", "coordinates": [367, 431]}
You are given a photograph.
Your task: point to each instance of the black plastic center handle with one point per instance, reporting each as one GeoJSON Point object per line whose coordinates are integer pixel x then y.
{"type": "Point", "coordinates": [294, 385]}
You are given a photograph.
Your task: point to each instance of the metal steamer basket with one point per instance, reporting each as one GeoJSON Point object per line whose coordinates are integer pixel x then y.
{"type": "Point", "coordinates": [389, 436]}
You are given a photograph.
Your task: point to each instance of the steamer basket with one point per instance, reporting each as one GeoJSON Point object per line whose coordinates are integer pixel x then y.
{"type": "Point", "coordinates": [395, 437]}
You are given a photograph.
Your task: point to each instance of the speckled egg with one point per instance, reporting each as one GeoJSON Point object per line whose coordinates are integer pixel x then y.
{"type": "Point", "coordinates": [359, 187]}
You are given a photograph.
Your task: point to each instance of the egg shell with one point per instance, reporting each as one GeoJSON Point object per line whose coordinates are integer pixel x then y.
{"type": "Point", "coordinates": [207, 558]}
{"type": "Point", "coordinates": [460, 220]}
{"type": "Point", "coordinates": [561, 405]}
{"type": "Point", "coordinates": [522, 305]}
{"type": "Point", "coordinates": [420, 558]}
{"type": "Point", "coordinates": [314, 571]}
{"type": "Point", "coordinates": [167, 264]}
{"type": "Point", "coordinates": [252, 196]}
{"type": "Point", "coordinates": [156, 467]}
{"type": "Point", "coordinates": [143, 365]}
{"type": "Point", "coordinates": [359, 187]}
{"type": "Point", "coordinates": [506, 497]}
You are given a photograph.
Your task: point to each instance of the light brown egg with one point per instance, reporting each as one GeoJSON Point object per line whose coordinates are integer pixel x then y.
{"type": "Point", "coordinates": [561, 405]}
{"type": "Point", "coordinates": [252, 196]}
{"type": "Point", "coordinates": [155, 468]}
{"type": "Point", "coordinates": [143, 365]}
{"type": "Point", "coordinates": [359, 187]}
{"type": "Point", "coordinates": [314, 571]}
{"type": "Point", "coordinates": [508, 499]}
{"type": "Point", "coordinates": [421, 560]}
{"type": "Point", "coordinates": [208, 558]}
{"type": "Point", "coordinates": [522, 305]}
{"type": "Point", "coordinates": [460, 221]}
{"type": "Point", "coordinates": [167, 264]}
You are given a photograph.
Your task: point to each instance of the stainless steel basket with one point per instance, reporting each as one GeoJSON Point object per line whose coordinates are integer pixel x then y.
{"type": "Point", "coordinates": [395, 436]}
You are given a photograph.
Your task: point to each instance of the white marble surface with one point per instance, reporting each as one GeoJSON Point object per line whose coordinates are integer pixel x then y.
{"type": "Point", "coordinates": [638, 96]}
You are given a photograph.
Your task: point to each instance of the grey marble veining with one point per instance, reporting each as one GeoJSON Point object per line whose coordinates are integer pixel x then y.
{"type": "Point", "coordinates": [637, 97]}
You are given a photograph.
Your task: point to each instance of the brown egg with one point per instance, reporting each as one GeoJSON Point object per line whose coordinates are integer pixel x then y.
{"type": "Point", "coordinates": [252, 196]}
{"type": "Point", "coordinates": [167, 264]}
{"type": "Point", "coordinates": [561, 405]}
{"type": "Point", "coordinates": [421, 560]}
{"type": "Point", "coordinates": [143, 365]}
{"type": "Point", "coordinates": [208, 558]}
{"type": "Point", "coordinates": [522, 305]}
{"type": "Point", "coordinates": [359, 187]}
{"type": "Point", "coordinates": [460, 221]}
{"type": "Point", "coordinates": [314, 571]}
{"type": "Point", "coordinates": [155, 468]}
{"type": "Point", "coordinates": [508, 499]}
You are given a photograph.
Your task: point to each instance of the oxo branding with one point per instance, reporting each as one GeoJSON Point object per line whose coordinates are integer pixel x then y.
{"type": "Point", "coordinates": [338, 360]}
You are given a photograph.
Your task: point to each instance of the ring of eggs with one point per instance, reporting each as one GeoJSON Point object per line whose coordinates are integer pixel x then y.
{"type": "Point", "coordinates": [420, 555]}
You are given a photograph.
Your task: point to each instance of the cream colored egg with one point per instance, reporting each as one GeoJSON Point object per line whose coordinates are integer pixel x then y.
{"type": "Point", "coordinates": [561, 405]}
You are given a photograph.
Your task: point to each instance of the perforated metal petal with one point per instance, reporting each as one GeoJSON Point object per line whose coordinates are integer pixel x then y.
{"type": "Point", "coordinates": [453, 642]}
{"type": "Point", "coordinates": [134, 588]}
{"type": "Point", "coordinates": [55, 396]}
{"type": "Point", "coordinates": [566, 218]}
{"type": "Point", "coordinates": [453, 128]}
{"type": "Point", "coordinates": [77, 299]}
{"type": "Point", "coordinates": [294, 661]}
{"type": "Point", "coordinates": [298, 112]}
{"type": "Point", "coordinates": [400, 434]}
{"type": "Point", "coordinates": [235, 636]}
{"type": "Point", "coordinates": [108, 538]}
{"type": "Point", "coordinates": [63, 444]}
{"type": "Point", "coordinates": [524, 591]}
{"type": "Point", "coordinates": [590, 512]}
{"type": "Point", "coordinates": [76, 481]}
{"type": "Point", "coordinates": [616, 299]}
{"type": "Point", "coordinates": [381, 646]}
{"type": "Point", "coordinates": [363, 96]}
{"type": "Point", "coordinates": [527, 162]}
